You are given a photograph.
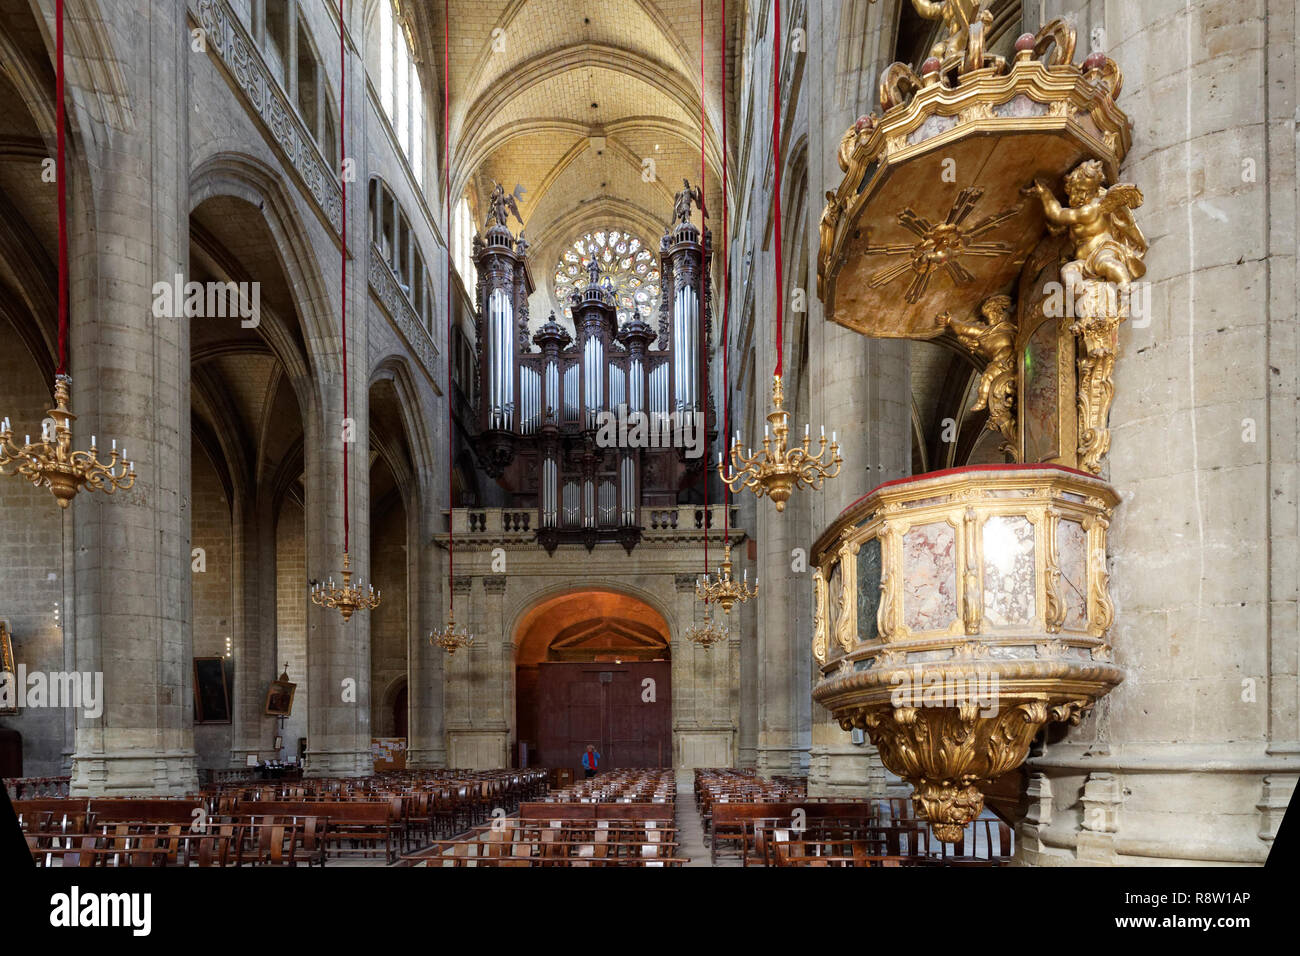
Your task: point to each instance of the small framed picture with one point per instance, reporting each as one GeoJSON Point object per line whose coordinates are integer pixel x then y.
{"type": "Point", "coordinates": [279, 698]}
{"type": "Point", "coordinates": [279, 742]}
{"type": "Point", "coordinates": [9, 702]}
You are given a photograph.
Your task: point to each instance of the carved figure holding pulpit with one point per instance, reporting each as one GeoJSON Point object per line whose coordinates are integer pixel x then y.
{"type": "Point", "coordinates": [1108, 250]}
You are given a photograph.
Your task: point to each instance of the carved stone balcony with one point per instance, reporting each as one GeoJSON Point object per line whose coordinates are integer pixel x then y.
{"type": "Point", "coordinates": [956, 614]}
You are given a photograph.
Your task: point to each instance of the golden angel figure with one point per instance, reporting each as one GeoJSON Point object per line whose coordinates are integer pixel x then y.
{"type": "Point", "coordinates": [1108, 245]}
{"type": "Point", "coordinates": [957, 17]}
{"type": "Point", "coordinates": [995, 339]}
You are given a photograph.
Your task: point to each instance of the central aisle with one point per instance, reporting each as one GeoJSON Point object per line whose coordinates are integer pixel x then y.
{"type": "Point", "coordinates": [690, 831]}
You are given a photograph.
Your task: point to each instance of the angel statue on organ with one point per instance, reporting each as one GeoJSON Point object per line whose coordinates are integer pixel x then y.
{"type": "Point", "coordinates": [682, 203]}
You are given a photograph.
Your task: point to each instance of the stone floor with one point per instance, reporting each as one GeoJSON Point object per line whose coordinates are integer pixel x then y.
{"type": "Point", "coordinates": [690, 831]}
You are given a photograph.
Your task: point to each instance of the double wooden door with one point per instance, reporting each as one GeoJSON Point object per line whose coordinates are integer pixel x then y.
{"type": "Point", "coordinates": [623, 709]}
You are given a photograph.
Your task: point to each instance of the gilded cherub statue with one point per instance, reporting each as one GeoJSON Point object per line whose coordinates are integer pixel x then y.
{"type": "Point", "coordinates": [957, 17]}
{"type": "Point", "coordinates": [995, 339]}
{"type": "Point", "coordinates": [1108, 245]}
{"type": "Point", "coordinates": [1108, 250]}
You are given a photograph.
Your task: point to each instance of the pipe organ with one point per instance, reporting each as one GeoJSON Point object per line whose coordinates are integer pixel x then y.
{"type": "Point", "coordinates": [594, 423]}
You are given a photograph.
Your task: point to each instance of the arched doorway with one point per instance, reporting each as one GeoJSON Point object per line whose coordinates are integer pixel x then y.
{"type": "Point", "coordinates": [593, 667]}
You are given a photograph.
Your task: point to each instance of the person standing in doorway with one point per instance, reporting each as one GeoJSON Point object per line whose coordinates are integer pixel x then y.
{"type": "Point", "coordinates": [590, 760]}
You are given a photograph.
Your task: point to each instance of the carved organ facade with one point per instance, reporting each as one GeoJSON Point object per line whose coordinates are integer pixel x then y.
{"type": "Point", "coordinates": [589, 425]}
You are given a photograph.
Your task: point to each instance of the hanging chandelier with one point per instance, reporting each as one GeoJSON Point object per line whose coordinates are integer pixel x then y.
{"type": "Point", "coordinates": [51, 462]}
{"type": "Point", "coordinates": [708, 632]}
{"type": "Point", "coordinates": [778, 470]}
{"type": "Point", "coordinates": [451, 638]}
{"type": "Point", "coordinates": [724, 590]}
{"type": "Point", "coordinates": [347, 600]}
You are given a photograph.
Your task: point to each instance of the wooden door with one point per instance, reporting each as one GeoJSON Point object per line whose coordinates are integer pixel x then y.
{"type": "Point", "coordinates": [606, 705]}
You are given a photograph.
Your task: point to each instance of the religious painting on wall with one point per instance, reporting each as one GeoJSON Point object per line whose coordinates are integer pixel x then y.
{"type": "Point", "coordinates": [279, 696]}
{"type": "Point", "coordinates": [211, 691]}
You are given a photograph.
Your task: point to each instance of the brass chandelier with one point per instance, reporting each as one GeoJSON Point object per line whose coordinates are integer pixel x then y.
{"type": "Point", "coordinates": [778, 470]}
{"type": "Point", "coordinates": [347, 600]}
{"type": "Point", "coordinates": [724, 590]}
{"type": "Point", "coordinates": [708, 632]}
{"type": "Point", "coordinates": [51, 462]}
{"type": "Point", "coordinates": [451, 638]}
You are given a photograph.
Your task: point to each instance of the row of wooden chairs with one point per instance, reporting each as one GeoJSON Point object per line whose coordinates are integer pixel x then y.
{"type": "Point", "coordinates": [270, 842]}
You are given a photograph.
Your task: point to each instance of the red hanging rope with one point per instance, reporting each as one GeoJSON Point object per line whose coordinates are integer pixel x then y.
{"type": "Point", "coordinates": [704, 344]}
{"type": "Point", "coordinates": [59, 123]}
{"type": "Point", "coordinates": [446, 202]}
{"type": "Point", "coordinates": [776, 185]}
{"type": "Point", "coordinates": [726, 293]}
{"type": "Point", "coordinates": [343, 259]}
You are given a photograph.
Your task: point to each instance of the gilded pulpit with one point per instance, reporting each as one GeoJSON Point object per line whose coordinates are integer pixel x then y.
{"type": "Point", "coordinates": [959, 612]}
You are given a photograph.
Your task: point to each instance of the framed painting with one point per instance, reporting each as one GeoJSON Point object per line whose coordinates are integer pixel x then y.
{"type": "Point", "coordinates": [211, 691]}
{"type": "Point", "coordinates": [279, 698]}
{"type": "Point", "coordinates": [9, 700]}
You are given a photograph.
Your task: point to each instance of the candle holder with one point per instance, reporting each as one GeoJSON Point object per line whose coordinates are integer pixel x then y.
{"type": "Point", "coordinates": [778, 469]}
{"type": "Point", "coordinates": [347, 600]}
{"type": "Point", "coordinates": [52, 463]}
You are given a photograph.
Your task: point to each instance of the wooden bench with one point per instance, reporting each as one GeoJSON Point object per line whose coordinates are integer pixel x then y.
{"type": "Point", "coordinates": [373, 824]}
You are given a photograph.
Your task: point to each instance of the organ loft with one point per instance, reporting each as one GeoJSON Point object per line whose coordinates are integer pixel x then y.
{"type": "Point", "coordinates": [549, 400]}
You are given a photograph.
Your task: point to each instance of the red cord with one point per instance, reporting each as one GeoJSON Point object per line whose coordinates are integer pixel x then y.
{"type": "Point", "coordinates": [59, 122]}
{"type": "Point", "coordinates": [446, 202]}
{"type": "Point", "coordinates": [704, 345]}
{"type": "Point", "coordinates": [726, 293]}
{"type": "Point", "coordinates": [343, 270]}
{"type": "Point", "coordinates": [776, 175]}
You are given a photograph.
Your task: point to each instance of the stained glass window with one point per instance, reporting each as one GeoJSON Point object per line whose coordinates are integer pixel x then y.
{"type": "Point", "coordinates": [628, 263]}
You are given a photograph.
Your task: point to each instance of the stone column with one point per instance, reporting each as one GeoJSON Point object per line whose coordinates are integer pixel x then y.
{"type": "Point", "coordinates": [338, 653]}
{"type": "Point", "coordinates": [131, 381]}
{"type": "Point", "coordinates": [427, 746]}
{"type": "Point", "coordinates": [254, 627]}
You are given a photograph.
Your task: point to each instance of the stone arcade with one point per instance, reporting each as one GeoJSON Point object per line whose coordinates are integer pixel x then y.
{"type": "Point", "coordinates": [1036, 266]}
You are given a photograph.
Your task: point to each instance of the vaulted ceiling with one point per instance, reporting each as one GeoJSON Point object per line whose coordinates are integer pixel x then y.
{"type": "Point", "coordinates": [593, 108]}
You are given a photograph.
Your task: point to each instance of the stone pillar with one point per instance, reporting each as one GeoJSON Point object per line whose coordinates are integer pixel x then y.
{"type": "Point", "coordinates": [427, 746]}
{"type": "Point", "coordinates": [861, 385]}
{"type": "Point", "coordinates": [131, 381]}
{"type": "Point", "coordinates": [254, 626]}
{"type": "Point", "coordinates": [338, 653]}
